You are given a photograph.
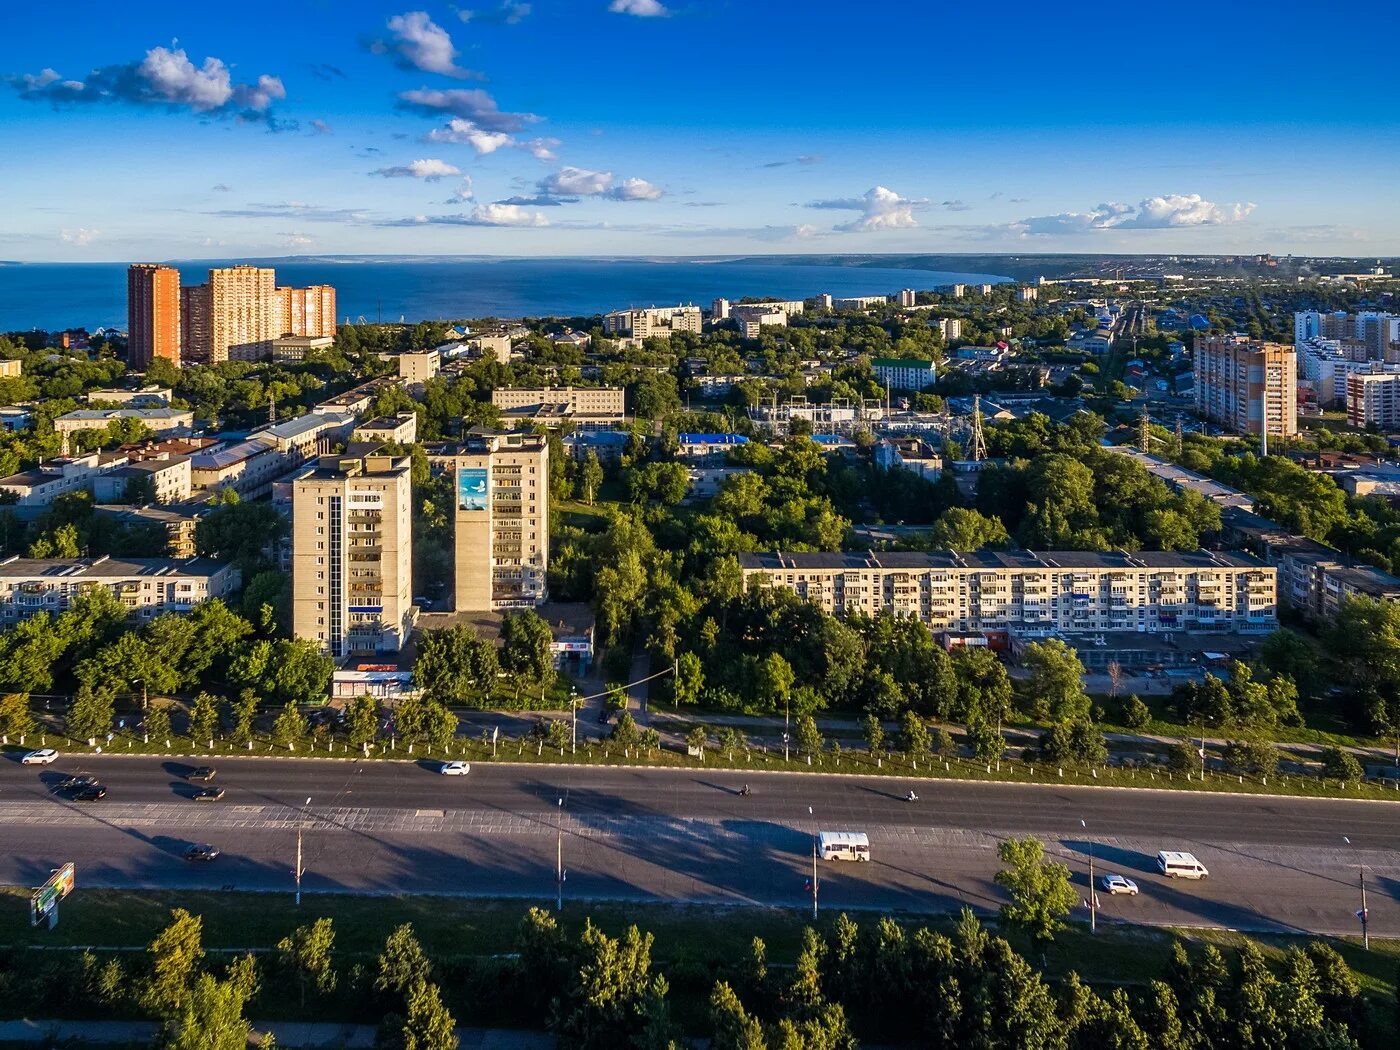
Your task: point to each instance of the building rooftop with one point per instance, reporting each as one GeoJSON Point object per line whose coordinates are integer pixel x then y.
{"type": "Point", "coordinates": [107, 568]}
{"type": "Point", "coordinates": [712, 439]}
{"type": "Point", "coordinates": [853, 561]}
{"type": "Point", "coordinates": [222, 459]}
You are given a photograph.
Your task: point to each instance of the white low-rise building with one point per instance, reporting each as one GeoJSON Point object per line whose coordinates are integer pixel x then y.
{"type": "Point", "coordinates": [147, 587]}
{"type": "Point", "coordinates": [156, 420]}
{"type": "Point", "coordinates": [58, 477]}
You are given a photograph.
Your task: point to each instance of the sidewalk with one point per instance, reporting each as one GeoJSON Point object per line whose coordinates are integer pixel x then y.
{"type": "Point", "coordinates": [287, 1033]}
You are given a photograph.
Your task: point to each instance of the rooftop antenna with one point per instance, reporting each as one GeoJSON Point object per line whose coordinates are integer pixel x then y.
{"type": "Point", "coordinates": [978, 452]}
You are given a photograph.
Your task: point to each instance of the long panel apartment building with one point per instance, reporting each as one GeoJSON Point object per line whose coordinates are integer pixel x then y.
{"type": "Point", "coordinates": [1035, 593]}
{"type": "Point", "coordinates": [352, 554]}
{"type": "Point", "coordinates": [146, 587]}
{"type": "Point", "coordinates": [501, 481]}
{"type": "Point", "coordinates": [583, 405]}
{"type": "Point", "coordinates": [653, 322]}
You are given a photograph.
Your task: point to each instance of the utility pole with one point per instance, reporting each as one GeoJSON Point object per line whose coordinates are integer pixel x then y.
{"type": "Point", "coordinates": [559, 857]}
{"type": "Point", "coordinates": [814, 867]}
{"type": "Point", "coordinates": [787, 706]}
{"type": "Point", "coordinates": [1364, 914]}
{"type": "Point", "coordinates": [573, 711]}
{"type": "Point", "coordinates": [1093, 897]}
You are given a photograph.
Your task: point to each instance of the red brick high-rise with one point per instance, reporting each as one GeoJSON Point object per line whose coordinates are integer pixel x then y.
{"type": "Point", "coordinates": [152, 314]}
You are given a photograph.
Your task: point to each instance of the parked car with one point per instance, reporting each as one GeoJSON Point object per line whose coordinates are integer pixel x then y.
{"type": "Point", "coordinates": [455, 769]}
{"type": "Point", "coordinates": [42, 757]}
{"type": "Point", "coordinates": [203, 773]}
{"type": "Point", "coordinates": [201, 852]}
{"type": "Point", "coordinates": [209, 794]}
{"type": "Point", "coordinates": [90, 793]}
{"type": "Point", "coordinates": [1116, 884]}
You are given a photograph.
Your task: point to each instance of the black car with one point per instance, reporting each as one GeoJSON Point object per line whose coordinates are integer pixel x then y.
{"type": "Point", "coordinates": [201, 852]}
{"type": "Point", "coordinates": [210, 794]}
{"type": "Point", "coordinates": [203, 773]}
{"type": "Point", "coordinates": [90, 793]}
{"type": "Point", "coordinates": [76, 782]}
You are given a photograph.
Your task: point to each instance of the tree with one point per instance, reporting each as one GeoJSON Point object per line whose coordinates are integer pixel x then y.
{"type": "Point", "coordinates": [289, 726]}
{"type": "Point", "coordinates": [590, 476]}
{"type": "Point", "coordinates": [15, 716]}
{"type": "Point", "coordinates": [157, 723]}
{"type": "Point", "coordinates": [90, 714]}
{"type": "Point", "coordinates": [957, 529]}
{"type": "Point", "coordinates": [307, 953]}
{"type": "Point", "coordinates": [690, 679]}
{"type": "Point", "coordinates": [809, 737]}
{"type": "Point", "coordinates": [1056, 684]}
{"type": "Point", "coordinates": [1041, 894]}
{"type": "Point", "coordinates": [612, 999]}
{"type": "Point", "coordinates": [439, 726]}
{"type": "Point", "coordinates": [456, 666]}
{"type": "Point", "coordinates": [402, 963]}
{"type": "Point", "coordinates": [775, 680]}
{"type": "Point", "coordinates": [175, 956]}
{"type": "Point", "coordinates": [985, 742]}
{"type": "Point", "coordinates": [243, 712]}
{"type": "Point", "coordinates": [625, 732]}
{"type": "Point", "coordinates": [1338, 764]}
{"type": "Point", "coordinates": [874, 732]}
{"type": "Point", "coordinates": [1251, 756]}
{"type": "Point", "coordinates": [525, 650]}
{"type": "Point", "coordinates": [362, 720]}
{"type": "Point", "coordinates": [1135, 714]}
{"type": "Point", "coordinates": [211, 1017]}
{"type": "Point", "coordinates": [204, 717]}
{"type": "Point", "coordinates": [695, 740]}
{"type": "Point", "coordinates": [1076, 741]}
{"type": "Point", "coordinates": [428, 1024]}
{"type": "Point", "coordinates": [734, 1028]}
{"type": "Point", "coordinates": [913, 736]}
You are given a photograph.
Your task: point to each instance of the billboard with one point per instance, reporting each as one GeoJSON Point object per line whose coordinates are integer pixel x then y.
{"type": "Point", "coordinates": [471, 489]}
{"type": "Point", "coordinates": [47, 896]}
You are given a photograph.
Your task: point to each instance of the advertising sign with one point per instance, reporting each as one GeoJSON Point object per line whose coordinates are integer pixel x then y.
{"type": "Point", "coordinates": [47, 896]}
{"type": "Point", "coordinates": [471, 489]}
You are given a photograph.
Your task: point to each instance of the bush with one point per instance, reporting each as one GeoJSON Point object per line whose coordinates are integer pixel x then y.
{"type": "Point", "coordinates": [1340, 765]}
{"type": "Point", "coordinates": [1135, 714]}
{"type": "Point", "coordinates": [1254, 757]}
{"type": "Point", "coordinates": [1077, 741]}
{"type": "Point", "coordinates": [1183, 757]}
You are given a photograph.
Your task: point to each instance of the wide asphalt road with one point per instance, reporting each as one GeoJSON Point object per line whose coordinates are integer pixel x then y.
{"type": "Point", "coordinates": [688, 836]}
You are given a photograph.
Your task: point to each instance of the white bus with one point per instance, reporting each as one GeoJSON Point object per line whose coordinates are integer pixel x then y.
{"type": "Point", "coordinates": [843, 845]}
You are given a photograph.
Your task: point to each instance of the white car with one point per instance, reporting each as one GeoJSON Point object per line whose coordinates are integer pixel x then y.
{"type": "Point", "coordinates": [455, 769]}
{"type": "Point", "coordinates": [1116, 884]}
{"type": "Point", "coordinates": [42, 757]}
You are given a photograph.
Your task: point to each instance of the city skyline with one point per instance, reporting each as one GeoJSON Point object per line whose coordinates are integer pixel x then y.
{"type": "Point", "coordinates": [637, 127]}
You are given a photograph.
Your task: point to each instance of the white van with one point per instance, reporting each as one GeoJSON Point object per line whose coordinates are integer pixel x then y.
{"type": "Point", "coordinates": [1176, 865]}
{"type": "Point", "coordinates": [843, 845]}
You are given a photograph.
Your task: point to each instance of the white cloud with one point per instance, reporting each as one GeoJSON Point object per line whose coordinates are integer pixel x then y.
{"type": "Point", "coordinates": [880, 208]}
{"type": "Point", "coordinates": [507, 13]}
{"type": "Point", "coordinates": [569, 181]}
{"type": "Point", "coordinates": [81, 237]}
{"type": "Point", "coordinates": [297, 240]}
{"type": "Point", "coordinates": [640, 8]}
{"type": "Point", "coordinates": [462, 193]}
{"type": "Point", "coordinates": [468, 103]}
{"type": "Point", "coordinates": [540, 149]}
{"type": "Point", "coordinates": [635, 190]}
{"type": "Point", "coordinates": [166, 77]}
{"type": "Point", "coordinates": [507, 215]}
{"type": "Point", "coordinates": [427, 170]}
{"type": "Point", "coordinates": [420, 43]}
{"type": "Point", "coordinates": [1170, 211]}
{"type": "Point", "coordinates": [465, 132]}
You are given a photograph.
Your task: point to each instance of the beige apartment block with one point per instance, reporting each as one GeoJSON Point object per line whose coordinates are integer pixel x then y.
{"type": "Point", "coordinates": [1247, 387]}
{"type": "Point", "coordinates": [1035, 593]}
{"type": "Point", "coordinates": [418, 367]}
{"type": "Point", "coordinates": [654, 322]}
{"type": "Point", "coordinates": [502, 520]}
{"type": "Point", "coordinates": [244, 314]}
{"type": "Point", "coordinates": [146, 587]}
{"type": "Point", "coordinates": [352, 554]}
{"type": "Point", "coordinates": [605, 401]}
{"type": "Point", "coordinates": [1373, 399]}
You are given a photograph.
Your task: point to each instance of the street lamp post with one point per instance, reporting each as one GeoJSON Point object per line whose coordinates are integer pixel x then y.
{"type": "Point", "coordinates": [814, 865]}
{"type": "Point", "coordinates": [573, 710]}
{"type": "Point", "coordinates": [559, 857]}
{"type": "Point", "coordinates": [1093, 897]}
{"type": "Point", "coordinates": [300, 824]}
{"type": "Point", "coordinates": [1363, 914]}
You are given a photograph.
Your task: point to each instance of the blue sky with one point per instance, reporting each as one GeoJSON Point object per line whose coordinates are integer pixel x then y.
{"type": "Point", "coordinates": [683, 127]}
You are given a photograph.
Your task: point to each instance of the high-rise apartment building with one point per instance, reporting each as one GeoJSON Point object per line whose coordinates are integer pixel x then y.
{"type": "Point", "coordinates": [656, 321]}
{"type": "Point", "coordinates": [195, 319]}
{"type": "Point", "coordinates": [1247, 387]}
{"type": "Point", "coordinates": [152, 314]}
{"type": "Point", "coordinates": [502, 520]}
{"type": "Point", "coordinates": [907, 297]}
{"type": "Point", "coordinates": [306, 311]}
{"type": "Point", "coordinates": [1373, 399]}
{"type": "Point", "coordinates": [352, 554]}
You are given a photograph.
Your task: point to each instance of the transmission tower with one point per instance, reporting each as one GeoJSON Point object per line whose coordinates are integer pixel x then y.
{"type": "Point", "coordinates": [271, 408]}
{"type": "Point", "coordinates": [1145, 430]}
{"type": "Point", "coordinates": [978, 451]}
{"type": "Point", "coordinates": [1179, 444]}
